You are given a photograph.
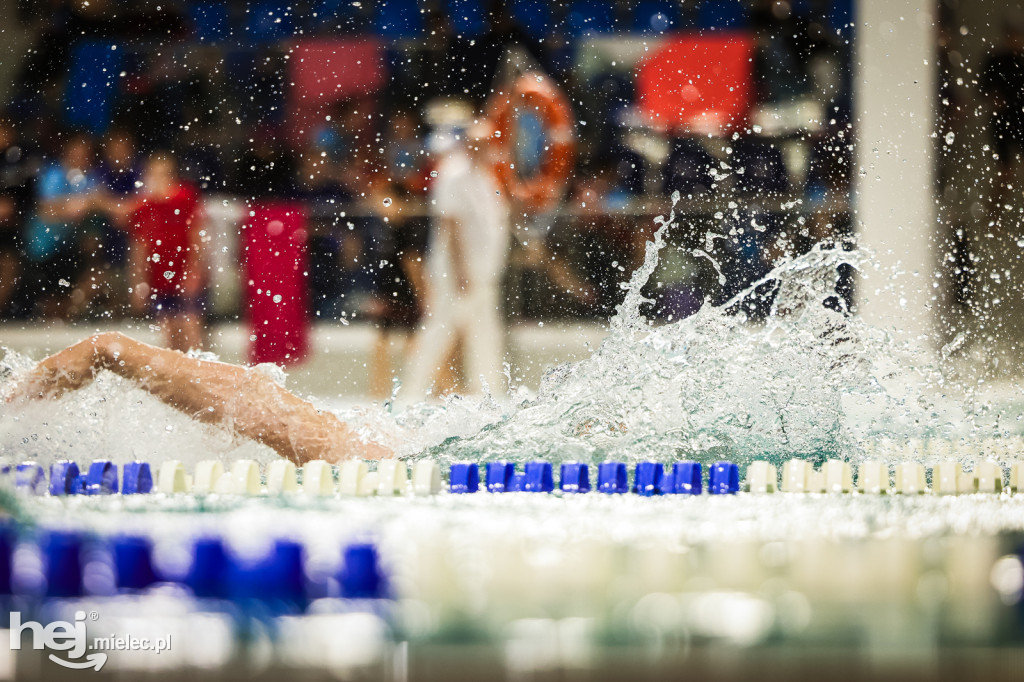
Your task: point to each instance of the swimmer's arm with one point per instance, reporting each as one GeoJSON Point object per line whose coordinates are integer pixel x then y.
{"type": "Point", "coordinates": [243, 400]}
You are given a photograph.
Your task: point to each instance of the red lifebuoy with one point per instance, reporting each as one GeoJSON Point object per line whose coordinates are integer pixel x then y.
{"type": "Point", "coordinates": [536, 92]}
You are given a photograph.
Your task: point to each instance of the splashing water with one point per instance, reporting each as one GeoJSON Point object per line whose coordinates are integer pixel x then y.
{"type": "Point", "coordinates": [810, 381]}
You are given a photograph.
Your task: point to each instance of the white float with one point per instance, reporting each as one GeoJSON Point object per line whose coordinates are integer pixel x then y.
{"type": "Point", "coordinates": [1016, 476]}
{"type": "Point", "coordinates": [989, 477]}
{"type": "Point", "coordinates": [318, 478]}
{"type": "Point", "coordinates": [794, 476]}
{"type": "Point", "coordinates": [172, 478]}
{"type": "Point", "coordinates": [351, 475]}
{"type": "Point", "coordinates": [244, 477]}
{"type": "Point", "coordinates": [426, 478]}
{"type": "Point", "coordinates": [208, 472]}
{"type": "Point", "coordinates": [910, 478]}
{"type": "Point", "coordinates": [873, 478]}
{"type": "Point", "coordinates": [946, 478]}
{"type": "Point", "coordinates": [838, 476]}
{"type": "Point", "coordinates": [392, 477]}
{"type": "Point", "coordinates": [761, 477]}
{"type": "Point", "coordinates": [281, 477]}
{"type": "Point", "coordinates": [369, 485]}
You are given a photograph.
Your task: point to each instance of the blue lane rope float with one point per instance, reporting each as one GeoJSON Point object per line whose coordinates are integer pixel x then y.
{"type": "Point", "coordinates": [464, 477]}
{"type": "Point", "coordinates": [687, 478]}
{"type": "Point", "coordinates": [574, 477]}
{"type": "Point", "coordinates": [724, 478]}
{"type": "Point", "coordinates": [499, 476]}
{"type": "Point", "coordinates": [30, 477]}
{"type": "Point", "coordinates": [648, 478]}
{"type": "Point", "coordinates": [138, 478]}
{"type": "Point", "coordinates": [101, 479]}
{"type": "Point", "coordinates": [65, 478]}
{"type": "Point", "coordinates": [611, 478]}
{"type": "Point", "coordinates": [539, 477]}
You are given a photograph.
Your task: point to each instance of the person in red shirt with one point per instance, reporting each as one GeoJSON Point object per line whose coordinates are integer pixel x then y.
{"type": "Point", "coordinates": [167, 262]}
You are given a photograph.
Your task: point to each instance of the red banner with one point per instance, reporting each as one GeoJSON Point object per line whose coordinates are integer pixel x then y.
{"type": "Point", "coordinates": [698, 83]}
{"type": "Point", "coordinates": [276, 278]}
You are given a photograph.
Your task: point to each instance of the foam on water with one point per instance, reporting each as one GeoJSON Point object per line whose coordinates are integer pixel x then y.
{"type": "Point", "coordinates": [809, 381]}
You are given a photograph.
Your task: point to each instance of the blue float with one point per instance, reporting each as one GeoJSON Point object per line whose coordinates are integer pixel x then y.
{"type": "Point", "coordinates": [101, 479]}
{"type": "Point", "coordinates": [724, 479]}
{"type": "Point", "coordinates": [65, 479]}
{"type": "Point", "coordinates": [208, 575]}
{"type": "Point", "coordinates": [30, 477]}
{"type": "Point", "coordinates": [574, 477]}
{"type": "Point", "coordinates": [611, 478]}
{"type": "Point", "coordinates": [361, 576]}
{"type": "Point", "coordinates": [138, 478]}
{"type": "Point", "coordinates": [648, 478]}
{"type": "Point", "coordinates": [62, 562]}
{"type": "Point", "coordinates": [499, 476]}
{"type": "Point", "coordinates": [464, 477]}
{"type": "Point", "coordinates": [687, 478]}
{"type": "Point", "coordinates": [539, 477]}
{"type": "Point", "coordinates": [133, 562]}
{"type": "Point", "coordinates": [276, 579]}
{"type": "Point", "coordinates": [8, 541]}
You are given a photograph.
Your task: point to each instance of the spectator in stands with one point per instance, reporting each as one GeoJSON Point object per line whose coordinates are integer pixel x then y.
{"type": "Point", "coordinates": [16, 174]}
{"type": "Point", "coordinates": [1002, 81]}
{"type": "Point", "coordinates": [477, 63]}
{"type": "Point", "coordinates": [399, 280]}
{"type": "Point", "coordinates": [119, 168]}
{"type": "Point", "coordinates": [465, 264]}
{"type": "Point", "coordinates": [199, 158]}
{"type": "Point", "coordinates": [267, 169]}
{"type": "Point", "coordinates": [67, 193]}
{"type": "Point", "coordinates": [785, 48]}
{"type": "Point", "coordinates": [547, 264]}
{"type": "Point", "coordinates": [320, 185]}
{"type": "Point", "coordinates": [603, 248]}
{"type": "Point", "coordinates": [342, 135]}
{"type": "Point", "coordinates": [168, 264]}
{"type": "Point", "coordinates": [403, 152]}
{"type": "Point", "coordinates": [106, 240]}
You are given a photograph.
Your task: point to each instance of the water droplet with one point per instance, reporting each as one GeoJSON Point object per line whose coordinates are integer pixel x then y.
{"type": "Point", "coordinates": [433, 174]}
{"type": "Point", "coordinates": [387, 201]}
{"type": "Point", "coordinates": [277, 298]}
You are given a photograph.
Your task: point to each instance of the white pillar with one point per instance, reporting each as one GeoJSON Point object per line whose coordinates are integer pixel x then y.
{"type": "Point", "coordinates": [894, 92]}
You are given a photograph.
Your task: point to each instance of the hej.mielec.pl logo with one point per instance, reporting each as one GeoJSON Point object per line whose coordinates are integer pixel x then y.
{"type": "Point", "coordinates": [59, 635]}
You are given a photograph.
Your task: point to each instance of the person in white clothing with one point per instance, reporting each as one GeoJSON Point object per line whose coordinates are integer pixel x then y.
{"type": "Point", "coordinates": [466, 259]}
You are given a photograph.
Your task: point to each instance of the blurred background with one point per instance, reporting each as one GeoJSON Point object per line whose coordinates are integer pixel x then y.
{"type": "Point", "coordinates": [313, 183]}
{"type": "Point", "coordinates": [765, 115]}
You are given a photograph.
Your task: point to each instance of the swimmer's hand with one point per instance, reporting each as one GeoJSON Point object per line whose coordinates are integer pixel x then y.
{"type": "Point", "coordinates": [70, 369]}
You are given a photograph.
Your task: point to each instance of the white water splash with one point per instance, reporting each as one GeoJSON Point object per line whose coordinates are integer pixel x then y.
{"type": "Point", "coordinates": [809, 381]}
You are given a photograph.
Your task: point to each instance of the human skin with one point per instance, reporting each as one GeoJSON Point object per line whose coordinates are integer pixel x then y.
{"type": "Point", "coordinates": [239, 398]}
